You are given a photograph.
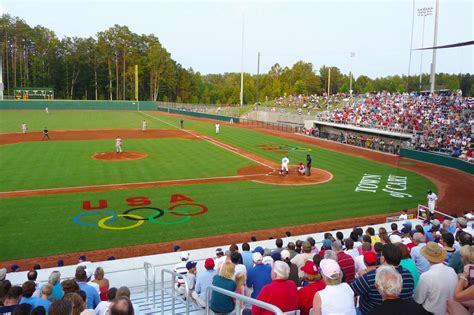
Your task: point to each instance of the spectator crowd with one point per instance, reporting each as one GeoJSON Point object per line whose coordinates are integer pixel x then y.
{"type": "Point", "coordinates": [423, 269]}
{"type": "Point", "coordinates": [438, 123]}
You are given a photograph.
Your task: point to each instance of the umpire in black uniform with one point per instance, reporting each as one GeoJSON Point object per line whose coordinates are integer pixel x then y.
{"type": "Point", "coordinates": [308, 165]}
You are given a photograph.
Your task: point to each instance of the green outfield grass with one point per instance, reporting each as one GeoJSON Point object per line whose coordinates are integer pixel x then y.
{"type": "Point", "coordinates": [233, 207]}
{"type": "Point", "coordinates": [10, 121]}
{"type": "Point", "coordinates": [54, 164]}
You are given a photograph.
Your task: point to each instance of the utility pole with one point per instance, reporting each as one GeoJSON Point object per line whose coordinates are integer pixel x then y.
{"type": "Point", "coordinates": [242, 67]}
{"type": "Point", "coordinates": [329, 81]}
{"type": "Point", "coordinates": [258, 77]}
{"type": "Point", "coordinates": [435, 40]}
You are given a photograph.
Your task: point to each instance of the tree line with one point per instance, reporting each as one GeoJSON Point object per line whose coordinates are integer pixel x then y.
{"type": "Point", "coordinates": [102, 68]}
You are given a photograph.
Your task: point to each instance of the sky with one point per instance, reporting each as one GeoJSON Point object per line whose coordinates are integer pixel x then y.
{"type": "Point", "coordinates": [207, 35]}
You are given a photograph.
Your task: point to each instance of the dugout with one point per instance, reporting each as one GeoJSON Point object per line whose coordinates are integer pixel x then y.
{"type": "Point", "coordinates": [34, 93]}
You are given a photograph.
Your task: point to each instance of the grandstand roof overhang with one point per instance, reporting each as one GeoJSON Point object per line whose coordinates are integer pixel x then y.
{"type": "Point", "coordinates": [362, 129]}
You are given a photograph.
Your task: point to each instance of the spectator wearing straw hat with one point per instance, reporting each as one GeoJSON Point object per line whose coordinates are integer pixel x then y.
{"type": "Point", "coordinates": [337, 297]}
{"type": "Point", "coordinates": [315, 283]}
{"type": "Point", "coordinates": [436, 285]}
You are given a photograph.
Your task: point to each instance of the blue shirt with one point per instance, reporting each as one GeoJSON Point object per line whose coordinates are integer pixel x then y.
{"type": "Point", "coordinates": [422, 265]}
{"type": "Point", "coordinates": [93, 298]}
{"type": "Point", "coordinates": [203, 281]}
{"type": "Point", "coordinates": [369, 295]}
{"type": "Point", "coordinates": [258, 277]}
{"type": "Point", "coordinates": [33, 301]}
{"type": "Point", "coordinates": [247, 259]}
{"type": "Point", "coordinates": [44, 303]}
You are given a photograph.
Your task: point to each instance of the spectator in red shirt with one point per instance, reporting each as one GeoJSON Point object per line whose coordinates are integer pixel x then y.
{"type": "Point", "coordinates": [281, 292]}
{"type": "Point", "coordinates": [306, 294]}
{"type": "Point", "coordinates": [345, 261]}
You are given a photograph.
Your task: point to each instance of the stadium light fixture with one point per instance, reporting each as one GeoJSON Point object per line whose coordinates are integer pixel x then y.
{"type": "Point", "coordinates": [423, 12]}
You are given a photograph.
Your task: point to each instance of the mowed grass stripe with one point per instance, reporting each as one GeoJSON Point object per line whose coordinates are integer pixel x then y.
{"type": "Point", "coordinates": [233, 207]}
{"type": "Point", "coordinates": [55, 164]}
{"type": "Point", "coordinates": [10, 121]}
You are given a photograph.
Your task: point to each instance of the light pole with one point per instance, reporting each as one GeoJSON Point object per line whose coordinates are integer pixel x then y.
{"type": "Point", "coordinates": [242, 67]}
{"type": "Point", "coordinates": [411, 45]}
{"type": "Point", "coordinates": [435, 40]}
{"type": "Point", "coordinates": [424, 12]}
{"type": "Point", "coordinates": [352, 55]}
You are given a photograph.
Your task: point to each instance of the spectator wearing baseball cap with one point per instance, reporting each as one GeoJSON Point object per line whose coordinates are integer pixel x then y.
{"type": "Point", "coordinates": [286, 257]}
{"type": "Point", "coordinates": [191, 276]}
{"type": "Point", "coordinates": [203, 281]}
{"type": "Point", "coordinates": [281, 292]}
{"type": "Point", "coordinates": [221, 258]}
{"type": "Point", "coordinates": [259, 275]}
{"type": "Point", "coordinates": [337, 297]}
{"type": "Point", "coordinates": [314, 284]}
{"type": "Point", "coordinates": [180, 268]}
{"type": "Point", "coordinates": [371, 262]}
{"type": "Point", "coordinates": [437, 284]}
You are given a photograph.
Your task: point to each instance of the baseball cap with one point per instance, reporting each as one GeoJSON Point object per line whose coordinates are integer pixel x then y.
{"type": "Point", "coordinates": [330, 268]}
{"type": "Point", "coordinates": [191, 264]}
{"type": "Point", "coordinates": [310, 268]}
{"type": "Point", "coordinates": [15, 267]}
{"type": "Point", "coordinates": [259, 249]}
{"type": "Point", "coordinates": [395, 238]}
{"type": "Point", "coordinates": [82, 257]}
{"type": "Point", "coordinates": [60, 263]}
{"type": "Point", "coordinates": [436, 222]}
{"type": "Point", "coordinates": [184, 255]}
{"type": "Point", "coordinates": [370, 258]}
{"type": "Point", "coordinates": [3, 273]}
{"type": "Point", "coordinates": [285, 254]}
{"type": "Point", "coordinates": [327, 243]}
{"type": "Point", "coordinates": [307, 245]}
{"type": "Point", "coordinates": [219, 251]}
{"type": "Point", "coordinates": [276, 256]}
{"type": "Point", "coordinates": [407, 224]}
{"type": "Point", "coordinates": [257, 257]}
{"type": "Point", "coordinates": [209, 263]}
{"type": "Point", "coordinates": [176, 248]}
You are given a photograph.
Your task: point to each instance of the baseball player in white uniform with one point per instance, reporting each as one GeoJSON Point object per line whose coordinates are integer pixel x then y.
{"type": "Point", "coordinates": [46, 109]}
{"type": "Point", "coordinates": [24, 127]}
{"type": "Point", "coordinates": [144, 125]}
{"type": "Point", "coordinates": [118, 144]}
{"type": "Point", "coordinates": [432, 197]}
{"type": "Point", "coordinates": [284, 165]}
{"type": "Point", "coordinates": [218, 128]}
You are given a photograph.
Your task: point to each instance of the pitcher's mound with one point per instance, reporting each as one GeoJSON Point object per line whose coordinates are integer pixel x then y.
{"type": "Point", "coordinates": [124, 156]}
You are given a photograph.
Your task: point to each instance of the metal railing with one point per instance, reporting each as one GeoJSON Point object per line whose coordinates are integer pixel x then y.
{"type": "Point", "coordinates": [285, 127]}
{"type": "Point", "coordinates": [149, 269]}
{"type": "Point", "coordinates": [422, 213]}
{"type": "Point", "coordinates": [175, 294]}
{"type": "Point", "coordinates": [245, 299]}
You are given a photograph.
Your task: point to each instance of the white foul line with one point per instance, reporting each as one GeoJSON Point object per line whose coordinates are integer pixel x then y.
{"type": "Point", "coordinates": [210, 140]}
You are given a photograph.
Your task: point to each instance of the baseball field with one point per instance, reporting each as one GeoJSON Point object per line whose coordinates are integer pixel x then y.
{"type": "Point", "coordinates": [73, 194]}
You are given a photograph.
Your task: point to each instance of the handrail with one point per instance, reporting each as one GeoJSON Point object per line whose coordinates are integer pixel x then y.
{"type": "Point", "coordinates": [423, 210]}
{"type": "Point", "coordinates": [240, 297]}
{"type": "Point", "coordinates": [146, 268]}
{"type": "Point", "coordinates": [174, 275]}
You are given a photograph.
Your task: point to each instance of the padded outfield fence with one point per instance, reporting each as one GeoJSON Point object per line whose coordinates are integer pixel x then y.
{"type": "Point", "coordinates": [76, 105]}
{"type": "Point", "coordinates": [438, 158]}
{"type": "Point", "coordinates": [285, 127]}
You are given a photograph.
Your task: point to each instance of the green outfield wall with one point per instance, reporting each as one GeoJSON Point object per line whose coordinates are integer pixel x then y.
{"type": "Point", "coordinates": [78, 105]}
{"type": "Point", "coordinates": [197, 114]}
{"type": "Point", "coordinates": [439, 159]}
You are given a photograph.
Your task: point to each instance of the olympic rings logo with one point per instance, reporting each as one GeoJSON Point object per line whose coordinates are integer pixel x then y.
{"type": "Point", "coordinates": [137, 220]}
